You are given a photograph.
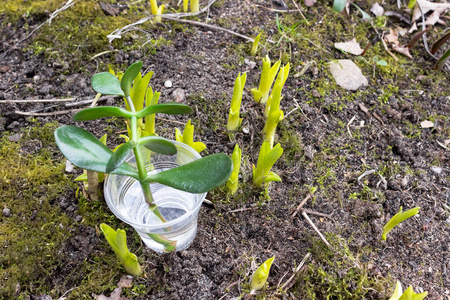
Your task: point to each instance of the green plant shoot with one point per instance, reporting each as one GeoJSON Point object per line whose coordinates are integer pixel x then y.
{"type": "Point", "coordinates": [232, 182]}
{"type": "Point", "coordinates": [118, 241]}
{"type": "Point", "coordinates": [150, 99]}
{"type": "Point", "coordinates": [266, 159]}
{"type": "Point", "coordinates": [188, 137]}
{"type": "Point", "coordinates": [275, 115]}
{"type": "Point", "coordinates": [281, 80]}
{"type": "Point", "coordinates": [407, 295]}
{"type": "Point", "coordinates": [267, 77]}
{"type": "Point", "coordinates": [397, 219]}
{"type": "Point", "coordinates": [233, 118]}
{"type": "Point", "coordinates": [156, 10]}
{"type": "Point", "coordinates": [260, 276]}
{"type": "Point", "coordinates": [194, 6]}
{"type": "Point", "coordinates": [85, 151]}
{"type": "Point", "coordinates": [255, 45]}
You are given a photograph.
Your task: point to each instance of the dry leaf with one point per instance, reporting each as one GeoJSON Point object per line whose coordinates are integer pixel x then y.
{"type": "Point", "coordinates": [310, 3]}
{"type": "Point", "coordinates": [125, 281]}
{"type": "Point", "coordinates": [426, 124]}
{"type": "Point", "coordinates": [401, 31]}
{"type": "Point", "coordinates": [392, 37]}
{"type": "Point", "coordinates": [352, 47]}
{"type": "Point", "coordinates": [402, 49]}
{"type": "Point", "coordinates": [447, 142]}
{"type": "Point", "coordinates": [377, 10]}
{"type": "Point", "coordinates": [413, 28]}
{"type": "Point", "coordinates": [427, 6]}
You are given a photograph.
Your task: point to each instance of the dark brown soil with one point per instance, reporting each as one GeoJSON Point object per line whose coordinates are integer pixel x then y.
{"type": "Point", "coordinates": [237, 233]}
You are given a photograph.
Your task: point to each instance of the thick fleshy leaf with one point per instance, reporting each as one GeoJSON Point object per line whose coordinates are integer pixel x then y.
{"type": "Point", "coordinates": [441, 62]}
{"type": "Point", "coordinates": [439, 43]}
{"type": "Point", "coordinates": [84, 150]}
{"type": "Point", "coordinates": [199, 176]}
{"type": "Point", "coordinates": [119, 156]}
{"type": "Point", "coordinates": [165, 108]}
{"type": "Point", "coordinates": [93, 113]}
{"type": "Point", "coordinates": [107, 84]}
{"type": "Point", "coordinates": [339, 5]}
{"type": "Point", "coordinates": [129, 76]}
{"type": "Point", "coordinates": [158, 144]}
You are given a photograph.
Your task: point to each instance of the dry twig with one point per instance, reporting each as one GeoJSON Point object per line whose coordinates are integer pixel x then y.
{"type": "Point", "coordinates": [300, 205]}
{"type": "Point", "coordinates": [315, 228]}
{"type": "Point", "coordinates": [295, 272]}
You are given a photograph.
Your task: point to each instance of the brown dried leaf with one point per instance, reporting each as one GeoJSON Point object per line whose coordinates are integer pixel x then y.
{"type": "Point", "coordinates": [377, 9]}
{"type": "Point", "coordinates": [427, 6]}
{"type": "Point", "coordinates": [352, 47]}
{"type": "Point", "coordinates": [310, 3]}
{"type": "Point", "coordinates": [125, 281]}
{"type": "Point", "coordinates": [403, 49]}
{"type": "Point", "coordinates": [392, 37]}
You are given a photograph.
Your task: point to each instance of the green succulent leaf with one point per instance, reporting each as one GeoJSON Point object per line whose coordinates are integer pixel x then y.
{"type": "Point", "coordinates": [199, 176]}
{"type": "Point", "coordinates": [118, 242]}
{"type": "Point", "coordinates": [107, 84]}
{"type": "Point", "coordinates": [128, 77]}
{"type": "Point", "coordinates": [158, 144]}
{"type": "Point", "coordinates": [439, 43]}
{"type": "Point", "coordinates": [441, 62]}
{"type": "Point", "coordinates": [94, 113]}
{"type": "Point", "coordinates": [119, 156]}
{"type": "Point", "coordinates": [85, 151]}
{"type": "Point", "coordinates": [339, 5]}
{"type": "Point", "coordinates": [165, 108]}
{"type": "Point", "coordinates": [261, 274]}
{"type": "Point", "coordinates": [397, 219]}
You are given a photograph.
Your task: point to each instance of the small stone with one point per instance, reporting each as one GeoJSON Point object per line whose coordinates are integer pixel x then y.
{"type": "Point", "coordinates": [69, 167]}
{"type": "Point", "coordinates": [245, 130]}
{"type": "Point", "coordinates": [316, 94]}
{"type": "Point", "coordinates": [6, 212]}
{"type": "Point", "coordinates": [168, 84]}
{"type": "Point", "coordinates": [179, 95]}
{"type": "Point", "coordinates": [347, 74]}
{"type": "Point", "coordinates": [14, 138]}
{"type": "Point", "coordinates": [437, 170]}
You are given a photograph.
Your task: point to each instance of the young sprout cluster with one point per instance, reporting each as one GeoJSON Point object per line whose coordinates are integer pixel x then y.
{"type": "Point", "coordinates": [268, 154]}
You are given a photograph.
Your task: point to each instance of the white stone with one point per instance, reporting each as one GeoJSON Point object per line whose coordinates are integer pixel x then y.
{"type": "Point", "coordinates": [168, 84]}
{"type": "Point", "coordinates": [437, 170]}
{"type": "Point", "coordinates": [347, 74]}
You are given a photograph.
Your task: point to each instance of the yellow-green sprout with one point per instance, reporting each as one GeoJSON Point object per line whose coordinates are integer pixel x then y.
{"type": "Point", "coordinates": [281, 80]}
{"type": "Point", "coordinates": [233, 118]}
{"type": "Point", "coordinates": [267, 77]}
{"type": "Point", "coordinates": [266, 159]}
{"type": "Point", "coordinates": [188, 137]}
{"type": "Point", "coordinates": [275, 115]}
{"type": "Point", "coordinates": [255, 45]}
{"type": "Point", "coordinates": [195, 7]}
{"type": "Point", "coordinates": [232, 182]}
{"type": "Point", "coordinates": [260, 276]}
{"type": "Point", "coordinates": [407, 295]}
{"type": "Point", "coordinates": [150, 99]}
{"type": "Point", "coordinates": [397, 219]}
{"type": "Point", "coordinates": [118, 241]}
{"type": "Point", "coordinates": [156, 10]}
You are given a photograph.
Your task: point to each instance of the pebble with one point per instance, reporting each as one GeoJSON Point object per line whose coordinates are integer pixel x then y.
{"type": "Point", "coordinates": [245, 130]}
{"type": "Point", "coordinates": [437, 170]}
{"type": "Point", "coordinates": [347, 74]}
{"type": "Point", "coordinates": [6, 212]}
{"type": "Point", "coordinates": [168, 84]}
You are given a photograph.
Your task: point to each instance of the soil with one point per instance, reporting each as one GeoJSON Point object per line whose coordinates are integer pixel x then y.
{"type": "Point", "coordinates": [330, 136]}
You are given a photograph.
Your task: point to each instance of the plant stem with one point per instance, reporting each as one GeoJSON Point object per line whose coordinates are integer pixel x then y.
{"type": "Point", "coordinates": [142, 170]}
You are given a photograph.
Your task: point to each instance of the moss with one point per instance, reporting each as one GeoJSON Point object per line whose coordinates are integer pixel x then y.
{"type": "Point", "coordinates": [68, 39]}
{"type": "Point", "coordinates": [336, 273]}
{"type": "Point", "coordinates": [32, 235]}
